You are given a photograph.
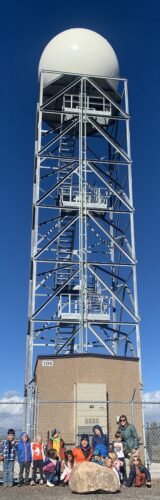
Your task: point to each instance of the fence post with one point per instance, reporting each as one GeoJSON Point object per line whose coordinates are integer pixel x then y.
{"type": "Point", "coordinates": [132, 407]}
{"type": "Point", "coordinates": [144, 436]}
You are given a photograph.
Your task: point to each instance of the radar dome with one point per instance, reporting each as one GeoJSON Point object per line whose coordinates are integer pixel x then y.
{"type": "Point", "coordinates": [81, 51]}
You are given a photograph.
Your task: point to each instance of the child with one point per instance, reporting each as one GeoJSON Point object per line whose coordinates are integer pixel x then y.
{"type": "Point", "coordinates": [118, 449]}
{"type": "Point", "coordinates": [67, 467]}
{"type": "Point", "coordinates": [51, 468]}
{"type": "Point", "coordinates": [100, 440]}
{"type": "Point", "coordinates": [83, 452]}
{"type": "Point", "coordinates": [37, 448]}
{"type": "Point", "coordinates": [115, 459]}
{"type": "Point", "coordinates": [97, 457]}
{"type": "Point", "coordinates": [24, 458]}
{"type": "Point", "coordinates": [110, 465]}
{"type": "Point", "coordinates": [57, 443]}
{"type": "Point", "coordinates": [139, 474]}
{"type": "Point", "coordinates": [8, 451]}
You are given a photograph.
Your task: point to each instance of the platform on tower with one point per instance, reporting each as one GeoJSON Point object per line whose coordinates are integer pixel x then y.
{"type": "Point", "coordinates": [94, 198]}
{"type": "Point", "coordinates": [97, 307]}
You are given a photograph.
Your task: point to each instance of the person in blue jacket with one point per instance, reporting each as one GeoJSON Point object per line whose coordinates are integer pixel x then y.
{"type": "Point", "coordinates": [24, 458]}
{"type": "Point", "coordinates": [100, 441]}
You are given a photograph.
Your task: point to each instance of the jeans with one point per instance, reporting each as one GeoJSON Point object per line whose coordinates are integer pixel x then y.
{"type": "Point", "coordinates": [8, 469]}
{"type": "Point", "coordinates": [24, 466]}
{"type": "Point", "coordinates": [53, 477]}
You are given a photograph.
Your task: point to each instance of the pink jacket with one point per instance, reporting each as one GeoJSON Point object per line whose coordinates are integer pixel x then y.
{"type": "Point", "coordinates": [49, 468]}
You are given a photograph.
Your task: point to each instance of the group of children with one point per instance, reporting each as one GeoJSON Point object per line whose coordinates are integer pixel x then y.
{"type": "Point", "coordinates": [54, 464]}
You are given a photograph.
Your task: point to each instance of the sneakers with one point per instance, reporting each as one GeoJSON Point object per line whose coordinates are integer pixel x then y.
{"type": "Point", "coordinates": [50, 484]}
{"type": "Point", "coordinates": [41, 481]}
{"type": "Point", "coordinates": [32, 483]}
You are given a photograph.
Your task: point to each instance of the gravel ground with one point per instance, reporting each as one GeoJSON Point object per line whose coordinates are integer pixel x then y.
{"type": "Point", "coordinates": [44, 493]}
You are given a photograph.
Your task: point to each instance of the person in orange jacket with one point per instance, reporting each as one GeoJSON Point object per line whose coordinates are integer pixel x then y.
{"type": "Point", "coordinates": [83, 452]}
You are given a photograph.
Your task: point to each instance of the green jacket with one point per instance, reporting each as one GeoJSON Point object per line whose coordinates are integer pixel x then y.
{"type": "Point", "coordinates": [129, 438]}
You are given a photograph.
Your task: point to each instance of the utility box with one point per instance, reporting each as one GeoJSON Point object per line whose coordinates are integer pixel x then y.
{"type": "Point", "coordinates": [91, 408]}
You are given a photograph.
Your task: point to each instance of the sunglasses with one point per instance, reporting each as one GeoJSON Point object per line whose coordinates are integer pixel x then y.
{"type": "Point", "coordinates": [122, 420]}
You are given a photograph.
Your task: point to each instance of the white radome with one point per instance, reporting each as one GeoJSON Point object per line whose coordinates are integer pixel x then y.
{"type": "Point", "coordinates": [81, 51]}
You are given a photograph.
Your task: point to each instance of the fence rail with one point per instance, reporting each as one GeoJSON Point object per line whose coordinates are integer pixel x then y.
{"type": "Point", "coordinates": [76, 417]}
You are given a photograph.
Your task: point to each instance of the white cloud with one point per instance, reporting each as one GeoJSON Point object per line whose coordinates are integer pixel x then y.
{"type": "Point", "coordinates": [151, 406]}
{"type": "Point", "coordinates": [11, 412]}
{"type": "Point", "coordinates": [152, 396]}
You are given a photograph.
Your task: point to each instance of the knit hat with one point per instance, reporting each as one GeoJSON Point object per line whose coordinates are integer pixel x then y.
{"type": "Point", "coordinates": [11, 431]}
{"type": "Point", "coordinates": [97, 453]}
{"type": "Point", "coordinates": [85, 436]}
{"type": "Point", "coordinates": [97, 427]}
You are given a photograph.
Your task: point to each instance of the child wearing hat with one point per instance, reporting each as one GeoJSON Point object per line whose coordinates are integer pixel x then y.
{"type": "Point", "coordinates": [83, 452]}
{"type": "Point", "coordinates": [57, 443]}
{"type": "Point", "coordinates": [8, 452]}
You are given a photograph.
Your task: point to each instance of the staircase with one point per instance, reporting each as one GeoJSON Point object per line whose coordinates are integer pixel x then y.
{"type": "Point", "coordinates": [65, 241]}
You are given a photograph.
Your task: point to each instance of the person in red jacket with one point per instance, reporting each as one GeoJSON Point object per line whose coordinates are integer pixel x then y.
{"type": "Point", "coordinates": [83, 452]}
{"type": "Point", "coordinates": [37, 448]}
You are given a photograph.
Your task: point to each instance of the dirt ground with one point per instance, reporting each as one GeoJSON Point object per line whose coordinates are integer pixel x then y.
{"type": "Point", "coordinates": [56, 493]}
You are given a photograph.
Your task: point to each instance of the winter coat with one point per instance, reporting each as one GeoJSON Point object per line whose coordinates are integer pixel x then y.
{"type": "Point", "coordinates": [62, 447]}
{"type": "Point", "coordinates": [5, 450]}
{"type": "Point", "coordinates": [24, 450]}
{"type": "Point", "coordinates": [101, 443]}
{"type": "Point", "coordinates": [129, 438]}
{"type": "Point", "coordinates": [132, 474]}
{"type": "Point", "coordinates": [79, 455]}
{"type": "Point", "coordinates": [51, 467]}
{"type": "Point", "coordinates": [37, 451]}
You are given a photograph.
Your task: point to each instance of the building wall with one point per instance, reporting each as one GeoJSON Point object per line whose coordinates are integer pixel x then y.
{"type": "Point", "coordinates": [57, 389]}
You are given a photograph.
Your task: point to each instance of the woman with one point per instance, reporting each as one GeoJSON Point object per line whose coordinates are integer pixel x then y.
{"type": "Point", "coordinates": [100, 441]}
{"type": "Point", "coordinates": [83, 452]}
{"type": "Point", "coordinates": [129, 435]}
{"type": "Point", "coordinates": [139, 474]}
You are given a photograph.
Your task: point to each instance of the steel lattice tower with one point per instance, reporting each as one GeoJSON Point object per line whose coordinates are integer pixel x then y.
{"type": "Point", "coordinates": [83, 286]}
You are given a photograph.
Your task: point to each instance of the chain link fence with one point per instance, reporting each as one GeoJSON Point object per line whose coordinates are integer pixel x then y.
{"type": "Point", "coordinates": [74, 418]}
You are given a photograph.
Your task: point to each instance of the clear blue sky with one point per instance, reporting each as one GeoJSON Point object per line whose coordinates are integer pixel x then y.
{"type": "Point", "coordinates": [132, 28]}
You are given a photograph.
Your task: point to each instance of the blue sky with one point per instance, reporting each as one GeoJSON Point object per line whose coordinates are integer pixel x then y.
{"type": "Point", "coordinates": [132, 28]}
